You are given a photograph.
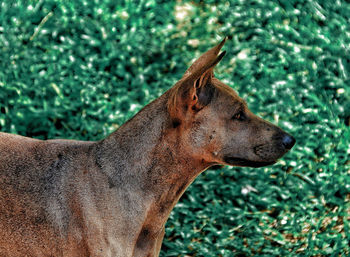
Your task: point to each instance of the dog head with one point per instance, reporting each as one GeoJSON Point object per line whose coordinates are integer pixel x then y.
{"type": "Point", "coordinates": [216, 125]}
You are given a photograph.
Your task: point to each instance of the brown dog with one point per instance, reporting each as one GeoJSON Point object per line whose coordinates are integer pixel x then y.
{"type": "Point", "coordinates": [113, 197]}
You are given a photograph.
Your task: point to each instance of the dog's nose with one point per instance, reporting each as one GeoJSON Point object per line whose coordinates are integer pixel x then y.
{"type": "Point", "coordinates": [288, 141]}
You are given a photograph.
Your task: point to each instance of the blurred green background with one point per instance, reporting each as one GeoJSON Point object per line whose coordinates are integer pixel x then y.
{"type": "Point", "coordinates": [79, 69]}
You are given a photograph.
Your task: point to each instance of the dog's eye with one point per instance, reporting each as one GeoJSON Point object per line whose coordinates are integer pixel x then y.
{"type": "Point", "coordinates": [239, 116]}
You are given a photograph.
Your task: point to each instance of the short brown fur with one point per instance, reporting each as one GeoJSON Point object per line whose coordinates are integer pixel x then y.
{"type": "Point", "coordinates": [113, 197]}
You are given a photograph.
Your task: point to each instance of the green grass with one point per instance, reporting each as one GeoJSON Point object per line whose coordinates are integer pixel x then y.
{"type": "Point", "coordinates": [79, 69]}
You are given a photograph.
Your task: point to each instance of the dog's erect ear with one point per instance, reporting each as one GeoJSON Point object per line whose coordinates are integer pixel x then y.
{"type": "Point", "coordinates": [194, 90]}
{"type": "Point", "coordinates": [205, 59]}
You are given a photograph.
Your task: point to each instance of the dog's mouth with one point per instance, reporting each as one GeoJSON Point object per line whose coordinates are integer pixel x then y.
{"type": "Point", "coordinates": [246, 163]}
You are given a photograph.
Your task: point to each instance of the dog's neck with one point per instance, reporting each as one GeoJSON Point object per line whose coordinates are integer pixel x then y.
{"type": "Point", "coordinates": [146, 156]}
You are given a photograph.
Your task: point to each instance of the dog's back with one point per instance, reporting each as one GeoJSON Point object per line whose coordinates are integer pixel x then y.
{"type": "Point", "coordinates": [56, 201]}
{"type": "Point", "coordinates": [32, 176]}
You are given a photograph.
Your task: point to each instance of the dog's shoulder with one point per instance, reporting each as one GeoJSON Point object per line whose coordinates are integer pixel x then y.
{"type": "Point", "coordinates": [29, 155]}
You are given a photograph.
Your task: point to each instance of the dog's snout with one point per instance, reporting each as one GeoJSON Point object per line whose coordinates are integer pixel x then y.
{"type": "Point", "coordinates": [288, 141]}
